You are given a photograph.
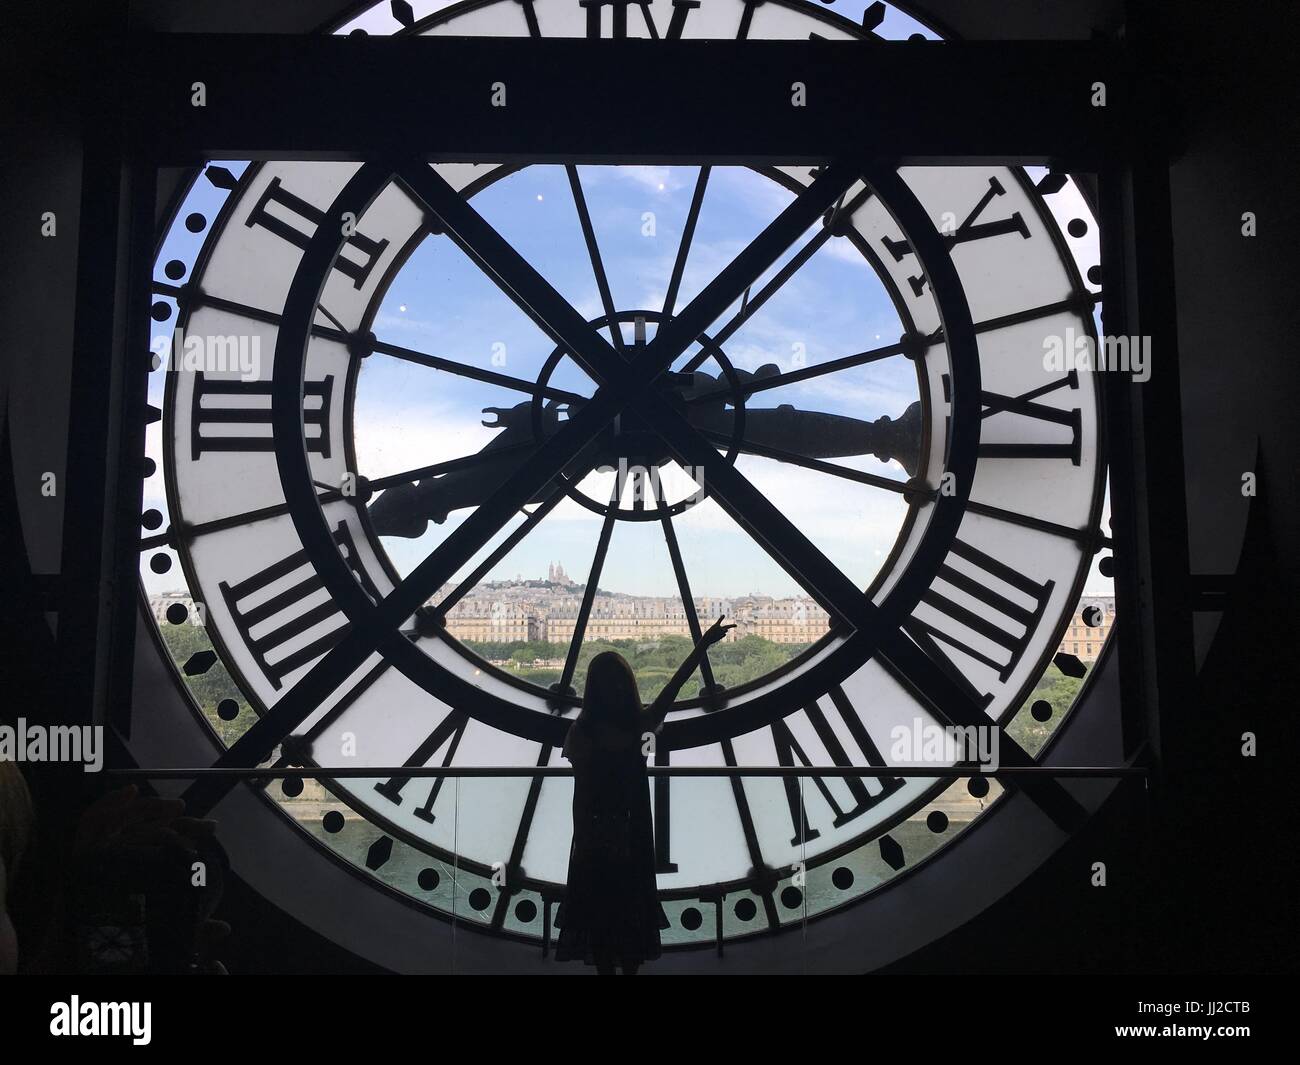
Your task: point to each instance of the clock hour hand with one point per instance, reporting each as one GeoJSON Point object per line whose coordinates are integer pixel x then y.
{"type": "Point", "coordinates": [814, 435]}
{"type": "Point", "coordinates": [810, 434]}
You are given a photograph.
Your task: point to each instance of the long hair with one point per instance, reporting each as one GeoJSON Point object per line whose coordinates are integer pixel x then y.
{"type": "Point", "coordinates": [610, 696]}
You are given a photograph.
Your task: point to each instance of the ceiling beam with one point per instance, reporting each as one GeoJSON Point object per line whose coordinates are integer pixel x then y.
{"type": "Point", "coordinates": [685, 101]}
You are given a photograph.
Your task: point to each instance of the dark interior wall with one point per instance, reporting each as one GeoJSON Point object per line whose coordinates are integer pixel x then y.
{"type": "Point", "coordinates": [1224, 832]}
{"type": "Point", "coordinates": [40, 170]}
{"type": "Point", "coordinates": [1235, 79]}
{"type": "Point", "coordinates": [1019, 20]}
{"type": "Point", "coordinates": [1203, 876]}
{"type": "Point", "coordinates": [1221, 841]}
{"type": "Point", "coordinates": [1229, 72]}
{"type": "Point", "coordinates": [240, 16]}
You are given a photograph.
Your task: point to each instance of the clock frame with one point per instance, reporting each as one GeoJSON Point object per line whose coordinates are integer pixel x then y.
{"type": "Point", "coordinates": [291, 459]}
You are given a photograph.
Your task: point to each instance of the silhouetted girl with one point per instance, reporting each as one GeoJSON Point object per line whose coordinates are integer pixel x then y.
{"type": "Point", "coordinates": [611, 914]}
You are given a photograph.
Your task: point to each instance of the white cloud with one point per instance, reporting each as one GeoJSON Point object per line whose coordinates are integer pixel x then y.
{"type": "Point", "coordinates": [843, 250]}
{"type": "Point", "coordinates": [416, 436]}
{"type": "Point", "coordinates": [651, 178]}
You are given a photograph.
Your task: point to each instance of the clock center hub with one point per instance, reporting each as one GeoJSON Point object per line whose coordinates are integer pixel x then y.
{"type": "Point", "coordinates": [647, 478]}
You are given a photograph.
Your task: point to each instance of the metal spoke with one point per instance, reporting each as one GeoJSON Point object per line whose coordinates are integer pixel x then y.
{"type": "Point", "coordinates": [334, 712]}
{"type": "Point", "coordinates": [755, 850]}
{"type": "Point", "coordinates": [688, 234]}
{"type": "Point", "coordinates": [357, 343]}
{"type": "Point", "coordinates": [924, 677]}
{"type": "Point", "coordinates": [333, 495]}
{"type": "Point", "coordinates": [460, 369]}
{"type": "Point", "coordinates": [712, 302]}
{"type": "Point", "coordinates": [248, 517]}
{"type": "Point", "coordinates": [522, 830]}
{"type": "Point", "coordinates": [163, 539]}
{"type": "Point", "coordinates": [764, 522]}
{"type": "Point", "coordinates": [752, 304]}
{"type": "Point", "coordinates": [593, 252]}
{"type": "Point", "coordinates": [593, 579]}
{"type": "Point", "coordinates": [1083, 537]}
{"type": "Point", "coordinates": [864, 358]}
{"type": "Point", "coordinates": [510, 272]}
{"type": "Point", "coordinates": [847, 362]}
{"type": "Point", "coordinates": [334, 321]}
{"type": "Point", "coordinates": [684, 588]}
{"type": "Point", "coordinates": [504, 548]}
{"type": "Point", "coordinates": [1085, 300]}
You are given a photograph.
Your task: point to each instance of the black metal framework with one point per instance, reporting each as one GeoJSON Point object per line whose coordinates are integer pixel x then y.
{"type": "Point", "coordinates": [783, 540]}
{"type": "Point", "coordinates": [693, 101]}
{"type": "Point", "coordinates": [1042, 92]}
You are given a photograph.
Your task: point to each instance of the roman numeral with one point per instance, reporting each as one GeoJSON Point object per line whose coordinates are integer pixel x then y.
{"type": "Point", "coordinates": [971, 229]}
{"type": "Point", "coordinates": [246, 405]}
{"type": "Point", "coordinates": [286, 611]}
{"type": "Point", "coordinates": [750, 831]}
{"type": "Point", "coordinates": [618, 17]}
{"type": "Point", "coordinates": [677, 24]}
{"type": "Point", "coordinates": [522, 831]}
{"type": "Point", "coordinates": [618, 27]}
{"type": "Point", "coordinates": [448, 734]}
{"type": "Point", "coordinates": [303, 212]}
{"type": "Point", "coordinates": [1001, 622]}
{"type": "Point", "coordinates": [1025, 406]}
{"type": "Point", "coordinates": [861, 799]}
{"type": "Point", "coordinates": [530, 18]}
{"type": "Point", "coordinates": [663, 816]}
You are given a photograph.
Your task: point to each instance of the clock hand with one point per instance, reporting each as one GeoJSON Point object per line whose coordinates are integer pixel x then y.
{"type": "Point", "coordinates": [699, 385]}
{"type": "Point", "coordinates": [807, 433]}
{"type": "Point", "coordinates": [815, 435]}
{"type": "Point", "coordinates": [405, 510]}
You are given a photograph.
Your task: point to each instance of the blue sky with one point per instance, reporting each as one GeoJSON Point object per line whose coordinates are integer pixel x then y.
{"type": "Point", "coordinates": [442, 304]}
{"type": "Point", "coordinates": [408, 415]}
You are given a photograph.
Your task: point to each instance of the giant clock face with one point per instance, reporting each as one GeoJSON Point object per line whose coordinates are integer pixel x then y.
{"type": "Point", "coordinates": [858, 428]}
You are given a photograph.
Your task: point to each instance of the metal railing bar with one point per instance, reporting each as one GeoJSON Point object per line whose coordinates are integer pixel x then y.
{"type": "Point", "coordinates": [425, 772]}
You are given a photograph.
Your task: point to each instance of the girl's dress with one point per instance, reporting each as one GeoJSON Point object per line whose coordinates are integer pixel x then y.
{"type": "Point", "coordinates": [611, 910]}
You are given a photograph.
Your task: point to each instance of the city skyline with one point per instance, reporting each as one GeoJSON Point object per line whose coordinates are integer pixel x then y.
{"type": "Point", "coordinates": [521, 578]}
{"type": "Point", "coordinates": [546, 610]}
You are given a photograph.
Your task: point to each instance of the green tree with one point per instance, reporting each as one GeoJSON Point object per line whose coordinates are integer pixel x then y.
{"type": "Point", "coordinates": [653, 660]}
{"type": "Point", "coordinates": [211, 688]}
{"type": "Point", "coordinates": [1059, 692]}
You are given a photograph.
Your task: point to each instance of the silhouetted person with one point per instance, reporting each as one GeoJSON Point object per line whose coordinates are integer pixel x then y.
{"type": "Point", "coordinates": [611, 914]}
{"type": "Point", "coordinates": [119, 844]}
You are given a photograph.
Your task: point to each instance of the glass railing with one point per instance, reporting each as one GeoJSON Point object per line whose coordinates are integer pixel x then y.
{"type": "Point", "coordinates": [745, 852]}
{"type": "Point", "coordinates": [730, 853]}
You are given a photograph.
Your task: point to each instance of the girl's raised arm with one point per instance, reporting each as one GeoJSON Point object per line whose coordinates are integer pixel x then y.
{"type": "Point", "coordinates": [659, 708]}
